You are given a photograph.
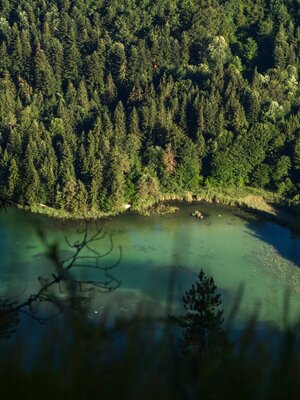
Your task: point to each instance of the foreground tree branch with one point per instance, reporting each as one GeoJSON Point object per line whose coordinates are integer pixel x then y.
{"type": "Point", "coordinates": [78, 292]}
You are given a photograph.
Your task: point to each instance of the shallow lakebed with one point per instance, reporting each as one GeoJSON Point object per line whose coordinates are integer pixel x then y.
{"type": "Point", "coordinates": [162, 256]}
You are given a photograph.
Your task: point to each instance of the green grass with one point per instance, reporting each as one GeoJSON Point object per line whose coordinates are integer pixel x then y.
{"type": "Point", "coordinates": [266, 203]}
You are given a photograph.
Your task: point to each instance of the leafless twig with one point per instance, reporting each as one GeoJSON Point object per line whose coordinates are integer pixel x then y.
{"type": "Point", "coordinates": [84, 256]}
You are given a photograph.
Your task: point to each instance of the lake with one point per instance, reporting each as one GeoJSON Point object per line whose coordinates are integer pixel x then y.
{"type": "Point", "coordinates": [161, 258]}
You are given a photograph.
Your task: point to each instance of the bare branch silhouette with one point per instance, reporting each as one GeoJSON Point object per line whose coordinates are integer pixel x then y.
{"type": "Point", "coordinates": [78, 291]}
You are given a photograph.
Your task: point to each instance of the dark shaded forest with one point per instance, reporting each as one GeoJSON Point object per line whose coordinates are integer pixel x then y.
{"type": "Point", "coordinates": [108, 102]}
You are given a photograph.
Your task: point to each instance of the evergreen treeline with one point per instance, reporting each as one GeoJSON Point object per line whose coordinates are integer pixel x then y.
{"type": "Point", "coordinates": [105, 102]}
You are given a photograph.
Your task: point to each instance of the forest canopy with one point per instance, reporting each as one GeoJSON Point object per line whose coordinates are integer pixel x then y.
{"type": "Point", "coordinates": [108, 102]}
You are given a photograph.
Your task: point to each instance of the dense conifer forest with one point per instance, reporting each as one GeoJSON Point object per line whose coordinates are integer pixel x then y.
{"type": "Point", "coordinates": [108, 102]}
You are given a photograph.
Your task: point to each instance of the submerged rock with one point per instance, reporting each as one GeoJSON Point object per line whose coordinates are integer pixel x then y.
{"type": "Point", "coordinates": [198, 214]}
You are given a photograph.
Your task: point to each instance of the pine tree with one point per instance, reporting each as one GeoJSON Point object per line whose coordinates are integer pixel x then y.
{"type": "Point", "coordinates": [66, 168]}
{"type": "Point", "coordinates": [118, 62]}
{"type": "Point", "coordinates": [17, 57]}
{"type": "Point", "coordinates": [118, 167]}
{"type": "Point", "coordinates": [27, 54]}
{"type": "Point", "coordinates": [252, 106]}
{"type": "Point", "coordinates": [71, 57]}
{"type": "Point", "coordinates": [4, 58]}
{"type": "Point", "coordinates": [96, 184]}
{"type": "Point", "coordinates": [13, 179]}
{"type": "Point", "coordinates": [133, 142]}
{"type": "Point", "coordinates": [83, 102]}
{"type": "Point", "coordinates": [81, 198]}
{"type": "Point", "coordinates": [95, 73]}
{"type": "Point", "coordinates": [48, 174]}
{"type": "Point", "coordinates": [110, 90]}
{"type": "Point", "coordinates": [7, 102]}
{"type": "Point", "coordinates": [203, 318]}
{"type": "Point", "coordinates": [55, 55]}
{"type": "Point", "coordinates": [44, 77]}
{"type": "Point", "coordinates": [120, 131]}
{"type": "Point", "coordinates": [30, 180]}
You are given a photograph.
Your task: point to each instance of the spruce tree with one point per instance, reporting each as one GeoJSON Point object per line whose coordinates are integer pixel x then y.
{"type": "Point", "coordinates": [13, 180]}
{"type": "Point", "coordinates": [202, 321]}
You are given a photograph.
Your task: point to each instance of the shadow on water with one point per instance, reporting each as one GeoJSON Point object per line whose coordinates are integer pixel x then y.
{"type": "Point", "coordinates": [140, 358]}
{"type": "Point", "coordinates": [286, 243]}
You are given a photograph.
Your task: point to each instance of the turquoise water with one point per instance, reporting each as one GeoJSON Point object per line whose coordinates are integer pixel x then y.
{"type": "Point", "coordinates": [161, 257]}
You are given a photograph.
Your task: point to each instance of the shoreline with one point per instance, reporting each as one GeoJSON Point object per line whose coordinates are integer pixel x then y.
{"type": "Point", "coordinates": [262, 203]}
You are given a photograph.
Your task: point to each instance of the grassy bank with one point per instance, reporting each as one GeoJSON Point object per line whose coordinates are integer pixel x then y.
{"type": "Point", "coordinates": [264, 203]}
{"type": "Point", "coordinates": [237, 197]}
{"type": "Point", "coordinates": [63, 214]}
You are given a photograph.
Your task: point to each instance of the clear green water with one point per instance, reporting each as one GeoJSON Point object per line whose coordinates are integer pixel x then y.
{"type": "Point", "coordinates": [234, 247]}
